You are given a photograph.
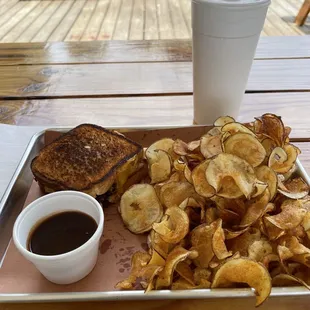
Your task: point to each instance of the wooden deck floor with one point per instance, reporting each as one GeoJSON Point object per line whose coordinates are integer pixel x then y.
{"type": "Point", "coordinates": [87, 20]}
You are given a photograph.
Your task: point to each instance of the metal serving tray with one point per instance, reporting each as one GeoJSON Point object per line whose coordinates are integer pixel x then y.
{"type": "Point", "coordinates": [14, 199]}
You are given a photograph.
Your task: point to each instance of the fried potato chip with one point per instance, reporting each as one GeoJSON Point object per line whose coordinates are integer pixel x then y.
{"type": "Point", "coordinates": [268, 145]}
{"type": "Point", "coordinates": [247, 147]}
{"type": "Point", "coordinates": [138, 260]}
{"type": "Point", "coordinates": [159, 245]}
{"type": "Point", "coordinates": [177, 255]}
{"type": "Point", "coordinates": [185, 272]}
{"type": "Point", "coordinates": [211, 215]}
{"type": "Point", "coordinates": [236, 127]}
{"type": "Point", "coordinates": [149, 273]}
{"type": "Point", "coordinates": [182, 284]}
{"type": "Point", "coordinates": [230, 234]}
{"type": "Point", "coordinates": [156, 259]}
{"type": "Point", "coordinates": [273, 232]}
{"type": "Point", "coordinates": [267, 175]}
{"type": "Point", "coordinates": [165, 144]}
{"type": "Point", "coordinates": [173, 193]}
{"type": "Point", "coordinates": [210, 146]}
{"type": "Point", "coordinates": [241, 243]}
{"type": "Point", "coordinates": [229, 189]}
{"type": "Point", "coordinates": [295, 188]}
{"type": "Point", "coordinates": [223, 120]}
{"type": "Point", "coordinates": [290, 216]}
{"type": "Point", "coordinates": [202, 187]}
{"type": "Point", "coordinates": [218, 242]}
{"type": "Point", "coordinates": [201, 239]}
{"type": "Point", "coordinates": [256, 208]}
{"type": "Point", "coordinates": [259, 249]}
{"type": "Point", "coordinates": [180, 147]}
{"type": "Point", "coordinates": [140, 208]}
{"type": "Point", "coordinates": [193, 145]}
{"type": "Point", "coordinates": [160, 166]}
{"type": "Point", "coordinates": [273, 127]}
{"type": "Point", "coordinates": [281, 163]}
{"type": "Point", "coordinates": [244, 270]}
{"type": "Point", "coordinates": [290, 173]}
{"type": "Point", "coordinates": [179, 223]}
{"type": "Point", "coordinates": [228, 165]}
{"type": "Point", "coordinates": [201, 274]}
{"type": "Point", "coordinates": [284, 280]}
{"type": "Point", "coordinates": [188, 175]}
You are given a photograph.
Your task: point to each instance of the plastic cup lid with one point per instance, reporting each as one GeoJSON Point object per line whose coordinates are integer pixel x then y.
{"type": "Point", "coordinates": [235, 3]}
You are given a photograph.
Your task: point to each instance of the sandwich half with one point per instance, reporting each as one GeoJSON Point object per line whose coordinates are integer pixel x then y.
{"type": "Point", "coordinates": [90, 159]}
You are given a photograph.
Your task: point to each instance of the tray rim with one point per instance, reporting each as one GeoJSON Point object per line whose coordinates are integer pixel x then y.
{"type": "Point", "coordinates": [134, 295]}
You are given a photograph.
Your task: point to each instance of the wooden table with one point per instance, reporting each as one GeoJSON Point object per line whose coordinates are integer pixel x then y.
{"type": "Point", "coordinates": [147, 83]}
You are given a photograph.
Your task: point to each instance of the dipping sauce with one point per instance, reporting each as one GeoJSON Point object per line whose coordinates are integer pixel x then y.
{"type": "Point", "coordinates": [61, 233]}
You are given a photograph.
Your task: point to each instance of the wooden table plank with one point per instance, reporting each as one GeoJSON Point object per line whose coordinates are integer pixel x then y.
{"type": "Point", "coordinates": [179, 24]}
{"type": "Point", "coordinates": [134, 51]}
{"type": "Point", "coordinates": [139, 79]}
{"type": "Point", "coordinates": [165, 110]}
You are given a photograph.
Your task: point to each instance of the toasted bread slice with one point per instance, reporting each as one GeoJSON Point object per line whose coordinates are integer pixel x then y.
{"type": "Point", "coordinates": [87, 158]}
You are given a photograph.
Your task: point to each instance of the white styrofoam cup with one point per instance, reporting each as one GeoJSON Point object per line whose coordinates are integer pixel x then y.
{"type": "Point", "coordinates": [72, 266]}
{"type": "Point", "coordinates": [225, 37]}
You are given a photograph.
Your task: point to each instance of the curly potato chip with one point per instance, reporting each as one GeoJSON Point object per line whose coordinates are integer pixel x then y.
{"type": "Point", "coordinates": [267, 175]}
{"type": "Point", "coordinates": [140, 208]}
{"type": "Point", "coordinates": [256, 208]}
{"type": "Point", "coordinates": [211, 146]}
{"type": "Point", "coordinates": [268, 145]}
{"type": "Point", "coordinates": [228, 165]}
{"type": "Point", "coordinates": [233, 128]}
{"type": "Point", "coordinates": [138, 260]}
{"type": "Point", "coordinates": [179, 223]}
{"type": "Point", "coordinates": [202, 187]}
{"type": "Point", "coordinates": [290, 216]}
{"type": "Point", "coordinates": [284, 280]}
{"type": "Point", "coordinates": [259, 249]}
{"type": "Point", "coordinates": [185, 272]}
{"type": "Point", "coordinates": [173, 193]}
{"type": "Point", "coordinates": [241, 243]}
{"type": "Point", "coordinates": [244, 270]}
{"type": "Point", "coordinates": [201, 239]}
{"type": "Point", "coordinates": [218, 242]}
{"type": "Point", "coordinates": [180, 147]}
{"type": "Point", "coordinates": [165, 144]}
{"type": "Point", "coordinates": [159, 245]}
{"type": "Point", "coordinates": [177, 255]}
{"type": "Point", "coordinates": [295, 188]}
{"type": "Point", "coordinates": [223, 120]}
{"type": "Point", "coordinates": [229, 189]}
{"type": "Point", "coordinates": [160, 165]}
{"type": "Point", "coordinates": [247, 147]}
{"type": "Point", "coordinates": [281, 163]}
{"type": "Point", "coordinates": [230, 234]}
{"type": "Point", "coordinates": [273, 127]}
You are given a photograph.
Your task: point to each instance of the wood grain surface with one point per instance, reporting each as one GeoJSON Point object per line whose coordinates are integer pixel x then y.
{"type": "Point", "coordinates": [165, 110]}
{"type": "Point", "coordinates": [139, 79]}
{"type": "Point", "coordinates": [129, 51]}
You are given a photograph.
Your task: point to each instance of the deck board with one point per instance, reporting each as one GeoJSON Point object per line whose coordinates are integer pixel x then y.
{"type": "Point", "coordinates": [77, 29]}
{"type": "Point", "coordinates": [122, 26]}
{"type": "Point", "coordinates": [61, 31]}
{"type": "Point", "coordinates": [16, 18]}
{"type": "Point", "coordinates": [151, 31]}
{"type": "Point", "coordinates": [89, 20]}
{"type": "Point", "coordinates": [53, 21]}
{"type": "Point", "coordinates": [137, 21]}
{"type": "Point", "coordinates": [16, 31]}
{"type": "Point", "coordinates": [108, 25]}
{"type": "Point", "coordinates": [94, 25]}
